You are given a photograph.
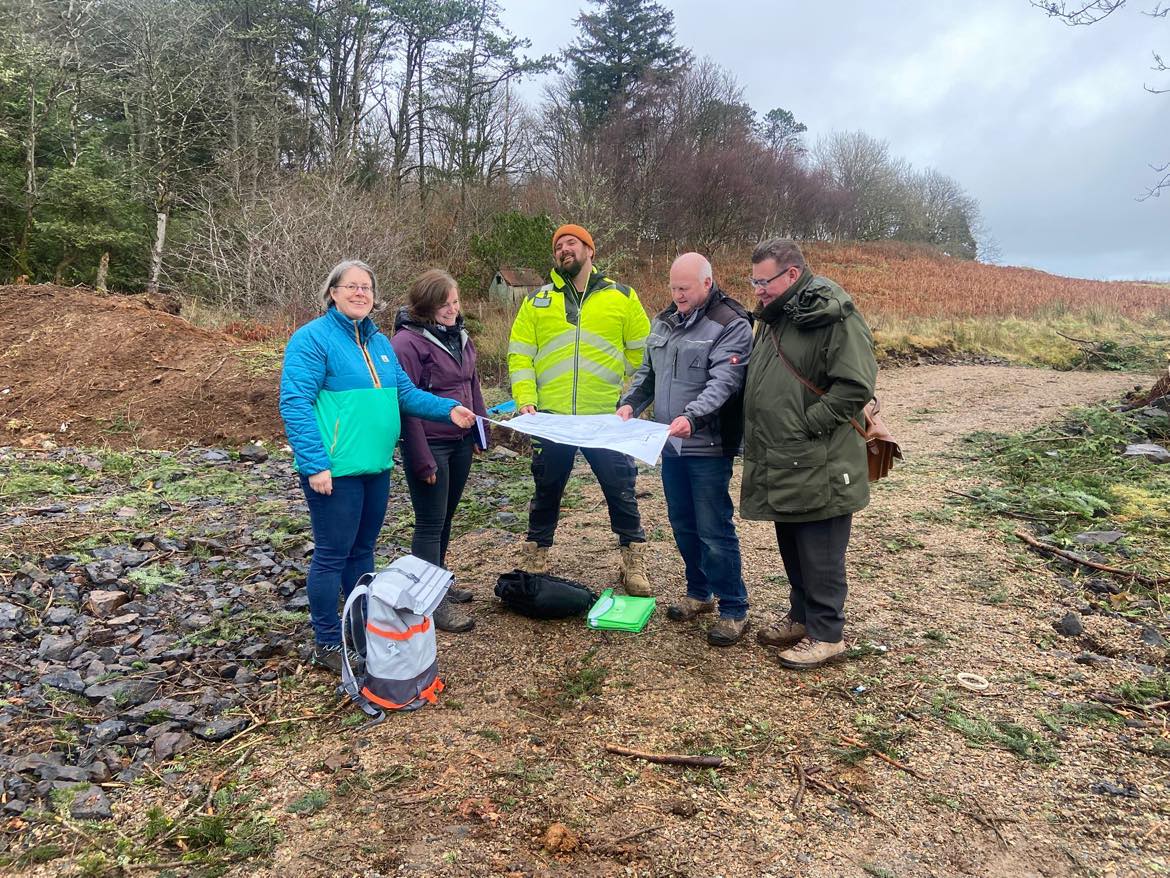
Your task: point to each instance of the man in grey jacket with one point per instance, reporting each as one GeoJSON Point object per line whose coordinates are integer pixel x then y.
{"type": "Point", "coordinates": [693, 371]}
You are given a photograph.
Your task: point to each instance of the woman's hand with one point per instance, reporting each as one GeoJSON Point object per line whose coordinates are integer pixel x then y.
{"type": "Point", "coordinates": [527, 409]}
{"type": "Point", "coordinates": [625, 412]}
{"type": "Point", "coordinates": [431, 479]}
{"type": "Point", "coordinates": [463, 417]}
{"type": "Point", "coordinates": [322, 482]}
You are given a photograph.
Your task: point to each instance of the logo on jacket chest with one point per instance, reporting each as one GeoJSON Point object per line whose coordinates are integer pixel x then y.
{"type": "Point", "coordinates": [385, 359]}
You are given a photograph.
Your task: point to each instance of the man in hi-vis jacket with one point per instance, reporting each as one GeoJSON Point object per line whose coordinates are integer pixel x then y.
{"type": "Point", "coordinates": [572, 345]}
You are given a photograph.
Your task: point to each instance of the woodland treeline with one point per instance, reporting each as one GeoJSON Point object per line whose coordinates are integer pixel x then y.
{"type": "Point", "coordinates": [234, 149]}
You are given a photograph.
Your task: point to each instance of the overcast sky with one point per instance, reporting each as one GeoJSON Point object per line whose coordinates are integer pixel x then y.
{"type": "Point", "coordinates": [1048, 126]}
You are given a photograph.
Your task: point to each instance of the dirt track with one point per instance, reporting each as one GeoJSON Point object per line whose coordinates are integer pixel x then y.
{"type": "Point", "coordinates": [512, 751]}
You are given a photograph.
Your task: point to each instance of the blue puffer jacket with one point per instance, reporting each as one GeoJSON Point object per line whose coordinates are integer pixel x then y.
{"type": "Point", "coordinates": [340, 392]}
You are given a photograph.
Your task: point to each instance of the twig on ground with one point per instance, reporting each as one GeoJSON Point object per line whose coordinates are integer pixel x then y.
{"type": "Point", "coordinates": [830, 787]}
{"type": "Point", "coordinates": [667, 758]}
{"type": "Point", "coordinates": [883, 757]}
{"type": "Point", "coordinates": [1086, 562]}
{"type": "Point", "coordinates": [802, 782]}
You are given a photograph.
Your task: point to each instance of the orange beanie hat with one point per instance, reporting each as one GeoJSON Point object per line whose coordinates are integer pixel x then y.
{"type": "Point", "coordinates": [577, 232]}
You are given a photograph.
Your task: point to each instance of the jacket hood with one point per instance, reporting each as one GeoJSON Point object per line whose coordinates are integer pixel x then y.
{"type": "Point", "coordinates": [813, 301]}
{"type": "Point", "coordinates": [403, 320]}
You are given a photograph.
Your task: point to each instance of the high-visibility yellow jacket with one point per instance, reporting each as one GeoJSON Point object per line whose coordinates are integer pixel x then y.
{"type": "Point", "coordinates": [569, 353]}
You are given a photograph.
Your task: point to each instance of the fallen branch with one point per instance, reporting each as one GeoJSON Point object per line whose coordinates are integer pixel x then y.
{"type": "Point", "coordinates": [667, 758]}
{"type": "Point", "coordinates": [1079, 559]}
{"type": "Point", "coordinates": [802, 780]}
{"type": "Point", "coordinates": [883, 757]}
{"type": "Point", "coordinates": [829, 787]}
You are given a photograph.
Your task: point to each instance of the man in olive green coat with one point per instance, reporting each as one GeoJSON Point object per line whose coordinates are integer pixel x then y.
{"type": "Point", "coordinates": [805, 465]}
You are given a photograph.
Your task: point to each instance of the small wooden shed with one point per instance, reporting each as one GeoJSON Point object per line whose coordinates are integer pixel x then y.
{"type": "Point", "coordinates": [511, 285]}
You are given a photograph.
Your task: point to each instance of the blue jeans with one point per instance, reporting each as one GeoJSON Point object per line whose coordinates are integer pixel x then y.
{"type": "Point", "coordinates": [346, 525]}
{"type": "Point", "coordinates": [699, 505]}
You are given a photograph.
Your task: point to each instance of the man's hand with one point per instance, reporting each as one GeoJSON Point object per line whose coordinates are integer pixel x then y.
{"type": "Point", "coordinates": [680, 427]}
{"type": "Point", "coordinates": [625, 412]}
{"type": "Point", "coordinates": [527, 409]}
{"type": "Point", "coordinates": [322, 482]}
{"type": "Point", "coordinates": [463, 417]}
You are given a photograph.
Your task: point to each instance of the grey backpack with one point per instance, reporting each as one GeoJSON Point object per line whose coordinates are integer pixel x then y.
{"type": "Point", "coordinates": [402, 669]}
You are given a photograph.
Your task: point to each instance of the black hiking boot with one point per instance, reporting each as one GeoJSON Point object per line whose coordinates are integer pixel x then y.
{"type": "Point", "coordinates": [450, 618]}
{"type": "Point", "coordinates": [329, 657]}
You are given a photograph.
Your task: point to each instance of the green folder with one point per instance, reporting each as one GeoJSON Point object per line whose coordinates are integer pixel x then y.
{"type": "Point", "coordinates": [620, 612]}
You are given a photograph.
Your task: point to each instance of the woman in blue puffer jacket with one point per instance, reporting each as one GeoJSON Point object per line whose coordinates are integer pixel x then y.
{"type": "Point", "coordinates": [342, 394]}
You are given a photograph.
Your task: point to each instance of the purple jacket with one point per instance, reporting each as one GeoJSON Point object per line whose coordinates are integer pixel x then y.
{"type": "Point", "coordinates": [433, 366]}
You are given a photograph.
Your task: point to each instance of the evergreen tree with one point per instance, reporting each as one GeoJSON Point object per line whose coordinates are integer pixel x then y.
{"type": "Point", "coordinates": [624, 45]}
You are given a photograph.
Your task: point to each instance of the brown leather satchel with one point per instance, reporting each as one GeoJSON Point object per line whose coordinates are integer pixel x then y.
{"type": "Point", "coordinates": [883, 448]}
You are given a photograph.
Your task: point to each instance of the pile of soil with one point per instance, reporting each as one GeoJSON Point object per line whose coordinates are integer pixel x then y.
{"type": "Point", "coordinates": [112, 370]}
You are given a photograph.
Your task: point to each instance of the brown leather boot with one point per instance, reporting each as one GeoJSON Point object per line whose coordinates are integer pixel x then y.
{"type": "Point", "coordinates": [809, 653]}
{"type": "Point", "coordinates": [533, 558]}
{"type": "Point", "coordinates": [727, 632]}
{"type": "Point", "coordinates": [633, 572]}
{"type": "Point", "coordinates": [688, 608]}
{"type": "Point", "coordinates": [783, 633]}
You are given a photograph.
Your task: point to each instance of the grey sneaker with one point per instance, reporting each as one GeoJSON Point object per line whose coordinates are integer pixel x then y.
{"type": "Point", "coordinates": [328, 657]}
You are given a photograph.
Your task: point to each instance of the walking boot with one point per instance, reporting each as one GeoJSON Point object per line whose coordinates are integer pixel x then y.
{"type": "Point", "coordinates": [449, 617]}
{"type": "Point", "coordinates": [633, 573]}
{"type": "Point", "coordinates": [688, 608]}
{"type": "Point", "coordinates": [459, 595]}
{"type": "Point", "coordinates": [328, 657]}
{"type": "Point", "coordinates": [533, 558]}
{"type": "Point", "coordinates": [810, 653]}
{"type": "Point", "coordinates": [727, 632]}
{"type": "Point", "coordinates": [783, 633]}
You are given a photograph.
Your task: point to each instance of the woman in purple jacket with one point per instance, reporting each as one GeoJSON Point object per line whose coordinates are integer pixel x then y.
{"type": "Point", "coordinates": [438, 356]}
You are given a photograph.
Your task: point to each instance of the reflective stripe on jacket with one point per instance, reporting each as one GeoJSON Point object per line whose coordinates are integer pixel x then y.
{"type": "Point", "coordinates": [569, 354]}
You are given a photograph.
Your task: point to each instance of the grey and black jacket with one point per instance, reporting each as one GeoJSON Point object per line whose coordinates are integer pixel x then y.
{"type": "Point", "coordinates": [695, 366]}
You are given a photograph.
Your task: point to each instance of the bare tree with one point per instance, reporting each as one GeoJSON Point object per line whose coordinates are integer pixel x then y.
{"type": "Point", "coordinates": [1089, 12]}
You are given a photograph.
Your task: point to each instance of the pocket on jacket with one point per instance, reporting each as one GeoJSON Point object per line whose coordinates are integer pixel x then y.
{"type": "Point", "coordinates": [798, 477]}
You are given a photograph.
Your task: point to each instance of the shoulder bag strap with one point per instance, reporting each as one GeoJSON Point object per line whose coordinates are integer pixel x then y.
{"type": "Point", "coordinates": [812, 387]}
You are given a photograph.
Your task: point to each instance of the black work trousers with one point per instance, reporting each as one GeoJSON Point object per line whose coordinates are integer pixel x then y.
{"type": "Point", "coordinates": [814, 559]}
{"type": "Point", "coordinates": [552, 464]}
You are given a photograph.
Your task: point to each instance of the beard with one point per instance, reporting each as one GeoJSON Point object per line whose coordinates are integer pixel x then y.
{"type": "Point", "coordinates": [571, 266]}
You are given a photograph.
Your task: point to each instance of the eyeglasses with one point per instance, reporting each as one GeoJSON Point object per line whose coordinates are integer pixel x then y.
{"type": "Point", "coordinates": [355, 288]}
{"type": "Point", "coordinates": [759, 283]}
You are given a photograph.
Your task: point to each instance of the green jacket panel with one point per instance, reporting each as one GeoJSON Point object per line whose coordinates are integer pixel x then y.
{"type": "Point", "coordinates": [803, 460]}
{"type": "Point", "coordinates": [360, 428]}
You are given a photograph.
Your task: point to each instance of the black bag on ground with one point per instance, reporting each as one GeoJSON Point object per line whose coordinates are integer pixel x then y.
{"type": "Point", "coordinates": [543, 596]}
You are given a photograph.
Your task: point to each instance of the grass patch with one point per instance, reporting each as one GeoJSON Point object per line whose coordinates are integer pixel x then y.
{"type": "Point", "coordinates": [310, 803]}
{"type": "Point", "coordinates": [980, 731]}
{"type": "Point", "coordinates": [583, 679]}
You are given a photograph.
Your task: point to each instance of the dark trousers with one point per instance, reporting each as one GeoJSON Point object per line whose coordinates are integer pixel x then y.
{"type": "Point", "coordinates": [552, 463]}
{"type": "Point", "coordinates": [346, 525]}
{"type": "Point", "coordinates": [700, 510]}
{"type": "Point", "coordinates": [434, 505]}
{"type": "Point", "coordinates": [814, 559]}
